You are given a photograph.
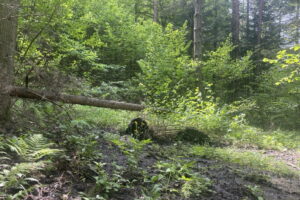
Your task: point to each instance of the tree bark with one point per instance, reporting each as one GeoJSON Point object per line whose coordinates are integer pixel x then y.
{"type": "Point", "coordinates": [8, 32]}
{"type": "Point", "coordinates": [248, 19]}
{"type": "Point", "coordinates": [216, 25]}
{"type": "Point", "coordinates": [297, 22]}
{"type": "Point", "coordinates": [235, 23]}
{"type": "Point", "coordinates": [155, 11]}
{"type": "Point", "coordinates": [260, 20]}
{"type": "Point", "coordinates": [197, 52]}
{"type": "Point", "coordinates": [71, 99]}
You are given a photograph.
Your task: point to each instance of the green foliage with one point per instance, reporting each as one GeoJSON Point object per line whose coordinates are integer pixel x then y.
{"type": "Point", "coordinates": [34, 153]}
{"type": "Point", "coordinates": [153, 194]}
{"type": "Point", "coordinates": [245, 136]}
{"type": "Point", "coordinates": [112, 49]}
{"type": "Point", "coordinates": [32, 147]}
{"type": "Point", "coordinates": [277, 98]}
{"type": "Point", "coordinates": [226, 73]}
{"type": "Point", "coordinates": [256, 191]}
{"type": "Point", "coordinates": [195, 186]}
{"type": "Point", "coordinates": [174, 170]}
{"type": "Point", "coordinates": [132, 148]}
{"type": "Point", "coordinates": [202, 113]}
{"type": "Point", "coordinates": [288, 61]}
{"type": "Point", "coordinates": [103, 117]}
{"type": "Point", "coordinates": [84, 148]}
{"type": "Point", "coordinates": [178, 172]}
{"type": "Point", "coordinates": [105, 184]}
{"type": "Point", "coordinates": [166, 66]}
{"type": "Point", "coordinates": [16, 176]}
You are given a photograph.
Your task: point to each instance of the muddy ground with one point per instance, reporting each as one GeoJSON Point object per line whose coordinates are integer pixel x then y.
{"type": "Point", "coordinates": [230, 182]}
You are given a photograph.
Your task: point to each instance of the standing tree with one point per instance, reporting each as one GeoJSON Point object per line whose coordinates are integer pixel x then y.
{"type": "Point", "coordinates": [297, 22]}
{"type": "Point", "coordinates": [198, 5]}
{"type": "Point", "coordinates": [247, 18]}
{"type": "Point", "coordinates": [8, 32]}
{"type": "Point", "coordinates": [260, 20]}
{"type": "Point", "coordinates": [235, 24]}
{"type": "Point", "coordinates": [155, 11]}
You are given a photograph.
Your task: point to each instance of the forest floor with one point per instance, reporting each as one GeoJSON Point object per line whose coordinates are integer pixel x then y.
{"type": "Point", "coordinates": [92, 163]}
{"type": "Point", "coordinates": [226, 180]}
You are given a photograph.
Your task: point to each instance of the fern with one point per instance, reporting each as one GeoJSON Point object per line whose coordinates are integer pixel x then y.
{"type": "Point", "coordinates": [33, 151]}
{"type": "Point", "coordinates": [32, 147]}
{"type": "Point", "coordinates": [16, 176]}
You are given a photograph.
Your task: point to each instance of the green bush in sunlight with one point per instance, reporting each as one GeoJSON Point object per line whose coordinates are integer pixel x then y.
{"type": "Point", "coordinates": [204, 114]}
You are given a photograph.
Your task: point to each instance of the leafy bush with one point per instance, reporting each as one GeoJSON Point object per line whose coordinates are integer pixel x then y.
{"type": "Point", "coordinates": [225, 73]}
{"type": "Point", "coordinates": [167, 68]}
{"type": "Point", "coordinates": [288, 60]}
{"type": "Point", "coordinates": [202, 113]}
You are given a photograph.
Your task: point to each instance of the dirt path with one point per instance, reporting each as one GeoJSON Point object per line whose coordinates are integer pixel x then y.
{"type": "Point", "coordinates": [290, 157]}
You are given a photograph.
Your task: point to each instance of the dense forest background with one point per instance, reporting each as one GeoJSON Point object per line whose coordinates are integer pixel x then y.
{"type": "Point", "coordinates": [112, 49]}
{"type": "Point", "coordinates": [208, 93]}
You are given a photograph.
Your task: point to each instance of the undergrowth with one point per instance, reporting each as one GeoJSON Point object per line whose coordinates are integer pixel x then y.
{"type": "Point", "coordinates": [117, 119]}
{"type": "Point", "coordinates": [246, 158]}
{"type": "Point", "coordinates": [247, 136]}
{"type": "Point", "coordinates": [22, 158]}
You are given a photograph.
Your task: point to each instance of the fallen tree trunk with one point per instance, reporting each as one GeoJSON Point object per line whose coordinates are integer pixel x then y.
{"type": "Point", "coordinates": [71, 99]}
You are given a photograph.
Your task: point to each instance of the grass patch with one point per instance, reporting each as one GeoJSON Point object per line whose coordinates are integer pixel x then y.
{"type": "Point", "coordinates": [276, 140]}
{"type": "Point", "coordinates": [247, 158]}
{"type": "Point", "coordinates": [118, 119]}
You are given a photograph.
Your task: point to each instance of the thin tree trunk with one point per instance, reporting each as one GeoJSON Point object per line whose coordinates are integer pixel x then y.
{"type": "Point", "coordinates": [8, 32]}
{"type": "Point", "coordinates": [155, 11]}
{"type": "Point", "coordinates": [235, 23]}
{"type": "Point", "coordinates": [297, 22]}
{"type": "Point", "coordinates": [198, 5]}
{"type": "Point", "coordinates": [71, 99]}
{"type": "Point", "coordinates": [260, 20]}
{"type": "Point", "coordinates": [248, 19]}
{"type": "Point", "coordinates": [280, 23]}
{"type": "Point", "coordinates": [216, 27]}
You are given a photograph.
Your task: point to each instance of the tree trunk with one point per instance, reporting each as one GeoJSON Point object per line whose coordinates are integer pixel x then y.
{"type": "Point", "coordinates": [71, 99]}
{"type": "Point", "coordinates": [8, 32]}
{"type": "Point", "coordinates": [198, 5]}
{"type": "Point", "coordinates": [235, 24]}
{"type": "Point", "coordinates": [155, 11]}
{"type": "Point", "coordinates": [216, 27]}
{"type": "Point", "coordinates": [260, 20]}
{"type": "Point", "coordinates": [297, 22]}
{"type": "Point", "coordinates": [248, 19]}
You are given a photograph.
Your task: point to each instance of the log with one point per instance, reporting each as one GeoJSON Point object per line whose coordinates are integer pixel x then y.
{"type": "Point", "coordinates": [22, 92]}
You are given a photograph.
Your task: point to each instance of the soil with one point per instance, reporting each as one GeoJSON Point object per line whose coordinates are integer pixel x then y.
{"type": "Point", "coordinates": [230, 182]}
